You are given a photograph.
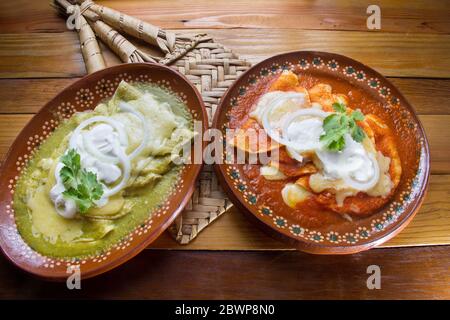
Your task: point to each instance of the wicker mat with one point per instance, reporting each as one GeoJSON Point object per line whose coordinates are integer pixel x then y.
{"type": "Point", "coordinates": [212, 68]}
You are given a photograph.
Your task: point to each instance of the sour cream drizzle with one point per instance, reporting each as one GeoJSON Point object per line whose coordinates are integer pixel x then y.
{"type": "Point", "coordinates": [358, 168]}
{"type": "Point", "coordinates": [102, 150]}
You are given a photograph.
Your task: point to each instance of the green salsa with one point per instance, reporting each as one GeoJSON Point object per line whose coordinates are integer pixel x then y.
{"type": "Point", "coordinates": [53, 235]}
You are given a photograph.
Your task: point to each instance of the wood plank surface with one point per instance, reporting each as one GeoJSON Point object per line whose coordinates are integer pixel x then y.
{"type": "Point", "coordinates": [412, 273]}
{"type": "Point", "coordinates": [403, 55]}
{"type": "Point", "coordinates": [397, 16]}
{"type": "Point", "coordinates": [427, 96]}
{"type": "Point", "coordinates": [29, 94]}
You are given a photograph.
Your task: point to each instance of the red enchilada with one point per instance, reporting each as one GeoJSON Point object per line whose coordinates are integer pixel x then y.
{"type": "Point", "coordinates": [337, 159]}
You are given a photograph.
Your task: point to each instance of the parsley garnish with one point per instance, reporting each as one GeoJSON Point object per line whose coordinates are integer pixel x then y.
{"type": "Point", "coordinates": [338, 124]}
{"type": "Point", "coordinates": [81, 185]}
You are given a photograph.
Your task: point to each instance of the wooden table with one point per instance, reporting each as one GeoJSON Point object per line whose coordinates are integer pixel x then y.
{"type": "Point", "coordinates": [233, 259]}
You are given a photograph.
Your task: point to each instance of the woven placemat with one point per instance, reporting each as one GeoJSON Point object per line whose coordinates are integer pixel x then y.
{"type": "Point", "coordinates": [212, 68]}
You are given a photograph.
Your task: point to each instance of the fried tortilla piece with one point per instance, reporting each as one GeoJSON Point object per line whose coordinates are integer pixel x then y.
{"type": "Point", "coordinates": [252, 138]}
{"type": "Point", "coordinates": [362, 204]}
{"type": "Point", "coordinates": [291, 167]}
{"type": "Point", "coordinates": [323, 94]}
{"type": "Point", "coordinates": [287, 81]}
{"type": "Point", "coordinates": [358, 205]}
{"type": "Point", "coordinates": [385, 143]}
{"type": "Point", "coordinates": [304, 91]}
{"type": "Point", "coordinates": [244, 140]}
{"type": "Point", "coordinates": [303, 181]}
{"type": "Point", "coordinates": [340, 98]}
{"type": "Point", "coordinates": [367, 129]}
{"type": "Point", "coordinates": [295, 170]}
{"type": "Point", "coordinates": [285, 158]}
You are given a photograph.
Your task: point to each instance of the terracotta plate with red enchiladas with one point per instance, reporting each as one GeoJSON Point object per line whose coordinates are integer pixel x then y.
{"type": "Point", "coordinates": [322, 151]}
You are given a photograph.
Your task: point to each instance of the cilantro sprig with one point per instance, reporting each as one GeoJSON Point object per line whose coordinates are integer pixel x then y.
{"type": "Point", "coordinates": [336, 125]}
{"type": "Point", "coordinates": [81, 185]}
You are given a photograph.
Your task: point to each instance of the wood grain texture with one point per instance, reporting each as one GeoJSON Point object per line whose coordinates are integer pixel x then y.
{"type": "Point", "coordinates": [436, 126]}
{"type": "Point", "coordinates": [413, 273]}
{"type": "Point", "coordinates": [397, 16]}
{"type": "Point", "coordinates": [427, 96]}
{"type": "Point", "coordinates": [29, 94]}
{"type": "Point", "coordinates": [403, 55]}
{"type": "Point", "coordinates": [49, 55]}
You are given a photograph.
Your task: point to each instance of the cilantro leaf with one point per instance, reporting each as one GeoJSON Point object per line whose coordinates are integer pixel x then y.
{"type": "Point", "coordinates": [72, 164]}
{"type": "Point", "coordinates": [71, 159]}
{"type": "Point", "coordinates": [331, 122]}
{"type": "Point", "coordinates": [339, 107]}
{"type": "Point", "coordinates": [81, 186]}
{"type": "Point", "coordinates": [89, 186]}
{"type": "Point", "coordinates": [358, 134]}
{"type": "Point", "coordinates": [338, 124]}
{"type": "Point", "coordinates": [357, 115]}
{"type": "Point", "coordinates": [68, 176]}
{"type": "Point", "coordinates": [83, 204]}
{"type": "Point", "coordinates": [337, 144]}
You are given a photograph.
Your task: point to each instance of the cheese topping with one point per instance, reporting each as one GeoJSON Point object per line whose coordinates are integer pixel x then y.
{"type": "Point", "coordinates": [289, 119]}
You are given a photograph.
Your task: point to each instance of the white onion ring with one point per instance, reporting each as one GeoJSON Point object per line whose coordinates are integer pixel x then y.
{"type": "Point", "coordinates": [121, 156]}
{"type": "Point", "coordinates": [364, 186]}
{"type": "Point", "coordinates": [126, 107]}
{"type": "Point", "coordinates": [294, 154]}
{"type": "Point", "coordinates": [268, 128]}
{"type": "Point", "coordinates": [91, 149]}
{"type": "Point", "coordinates": [69, 209]}
{"type": "Point", "coordinates": [268, 101]}
{"type": "Point", "coordinates": [274, 104]}
{"type": "Point", "coordinates": [125, 160]}
{"type": "Point", "coordinates": [296, 147]}
{"type": "Point", "coordinates": [302, 112]}
{"type": "Point", "coordinates": [98, 154]}
{"type": "Point", "coordinates": [305, 112]}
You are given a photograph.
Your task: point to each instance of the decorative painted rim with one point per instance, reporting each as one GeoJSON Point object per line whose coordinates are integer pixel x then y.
{"type": "Point", "coordinates": [405, 202]}
{"type": "Point", "coordinates": [85, 98]}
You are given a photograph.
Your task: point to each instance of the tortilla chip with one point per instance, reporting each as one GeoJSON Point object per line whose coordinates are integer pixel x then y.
{"type": "Point", "coordinates": [287, 81]}
{"type": "Point", "coordinates": [252, 138]}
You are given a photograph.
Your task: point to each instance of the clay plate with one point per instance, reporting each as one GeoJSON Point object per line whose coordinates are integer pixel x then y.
{"type": "Point", "coordinates": [83, 95]}
{"type": "Point", "coordinates": [346, 237]}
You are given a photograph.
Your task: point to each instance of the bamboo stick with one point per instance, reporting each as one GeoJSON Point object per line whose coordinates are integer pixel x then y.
{"type": "Point", "coordinates": [103, 19]}
{"type": "Point", "coordinates": [92, 55]}
{"type": "Point", "coordinates": [133, 26]}
{"type": "Point", "coordinates": [126, 51]}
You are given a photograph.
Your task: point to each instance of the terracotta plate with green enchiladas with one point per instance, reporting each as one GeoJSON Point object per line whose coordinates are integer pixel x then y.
{"type": "Point", "coordinates": [96, 175]}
